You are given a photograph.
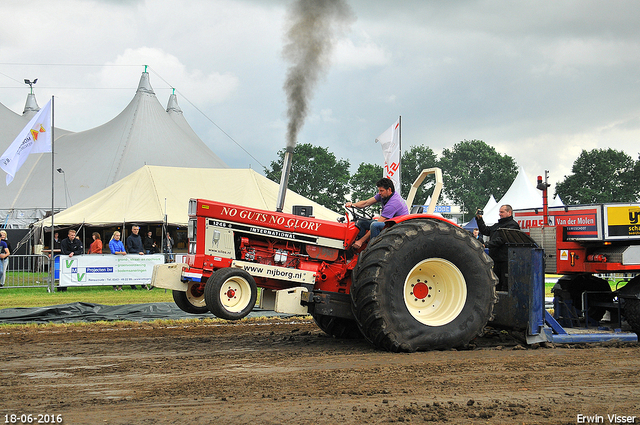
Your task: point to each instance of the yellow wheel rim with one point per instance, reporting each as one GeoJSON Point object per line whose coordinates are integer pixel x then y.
{"type": "Point", "coordinates": [435, 292]}
{"type": "Point", "coordinates": [235, 294]}
{"type": "Point", "coordinates": [195, 297]}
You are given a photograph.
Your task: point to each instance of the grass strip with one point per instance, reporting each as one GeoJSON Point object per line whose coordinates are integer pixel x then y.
{"type": "Point", "coordinates": [39, 297]}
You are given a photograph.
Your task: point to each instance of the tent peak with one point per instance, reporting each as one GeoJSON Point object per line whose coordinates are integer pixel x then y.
{"type": "Point", "coordinates": [172, 105]}
{"type": "Point", "coordinates": [145, 86]}
{"type": "Point", "coordinates": [31, 105]}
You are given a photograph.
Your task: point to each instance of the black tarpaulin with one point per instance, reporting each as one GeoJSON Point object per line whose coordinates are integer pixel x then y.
{"type": "Point", "coordinates": [87, 312]}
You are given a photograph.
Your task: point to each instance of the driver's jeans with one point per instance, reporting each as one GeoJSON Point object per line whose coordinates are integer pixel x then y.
{"type": "Point", "coordinates": [373, 225]}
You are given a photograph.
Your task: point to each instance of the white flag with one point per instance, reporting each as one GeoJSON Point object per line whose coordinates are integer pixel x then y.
{"type": "Point", "coordinates": [34, 138]}
{"type": "Point", "coordinates": [390, 141]}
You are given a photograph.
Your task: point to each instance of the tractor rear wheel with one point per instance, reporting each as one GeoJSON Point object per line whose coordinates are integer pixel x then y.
{"type": "Point", "coordinates": [191, 301]}
{"type": "Point", "coordinates": [230, 293]}
{"type": "Point", "coordinates": [424, 284]}
{"type": "Point", "coordinates": [338, 327]}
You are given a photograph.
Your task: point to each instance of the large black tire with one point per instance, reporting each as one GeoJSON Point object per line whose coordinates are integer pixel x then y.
{"type": "Point", "coordinates": [629, 296]}
{"type": "Point", "coordinates": [230, 293]}
{"type": "Point", "coordinates": [575, 285]}
{"type": "Point", "coordinates": [424, 284]}
{"type": "Point", "coordinates": [338, 327]}
{"type": "Point", "coordinates": [631, 311]}
{"type": "Point", "coordinates": [192, 301]}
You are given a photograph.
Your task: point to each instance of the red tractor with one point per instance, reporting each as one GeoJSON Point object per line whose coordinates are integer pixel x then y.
{"type": "Point", "coordinates": [424, 283]}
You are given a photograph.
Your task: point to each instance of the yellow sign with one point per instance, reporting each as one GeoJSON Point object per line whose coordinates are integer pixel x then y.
{"type": "Point", "coordinates": [623, 216]}
{"type": "Point", "coordinates": [623, 220]}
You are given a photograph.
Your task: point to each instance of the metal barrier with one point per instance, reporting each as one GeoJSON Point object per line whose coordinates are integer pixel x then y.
{"type": "Point", "coordinates": [25, 271]}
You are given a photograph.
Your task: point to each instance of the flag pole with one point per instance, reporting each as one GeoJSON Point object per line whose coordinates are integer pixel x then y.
{"type": "Point", "coordinates": [52, 271]}
{"type": "Point", "coordinates": [400, 152]}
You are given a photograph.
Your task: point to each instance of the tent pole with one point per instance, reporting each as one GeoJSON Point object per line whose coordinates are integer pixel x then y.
{"type": "Point", "coordinates": [400, 153]}
{"type": "Point", "coordinates": [52, 272]}
{"type": "Point", "coordinates": [164, 230]}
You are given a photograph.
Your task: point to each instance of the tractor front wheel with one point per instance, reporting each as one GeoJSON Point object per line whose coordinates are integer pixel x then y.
{"type": "Point", "coordinates": [191, 301]}
{"type": "Point", "coordinates": [230, 293]}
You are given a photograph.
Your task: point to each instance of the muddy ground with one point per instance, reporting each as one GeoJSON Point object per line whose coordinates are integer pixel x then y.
{"type": "Point", "coordinates": [287, 371]}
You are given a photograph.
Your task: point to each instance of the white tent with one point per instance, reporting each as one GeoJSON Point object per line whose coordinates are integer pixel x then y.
{"type": "Point", "coordinates": [145, 195]}
{"type": "Point", "coordinates": [521, 194]}
{"type": "Point", "coordinates": [144, 133]}
{"type": "Point", "coordinates": [490, 204]}
{"type": "Point", "coordinates": [556, 202]}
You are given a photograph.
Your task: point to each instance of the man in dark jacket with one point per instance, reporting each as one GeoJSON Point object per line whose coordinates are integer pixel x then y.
{"type": "Point", "coordinates": [71, 246]}
{"type": "Point", "coordinates": [134, 242]}
{"type": "Point", "coordinates": [149, 244]}
{"type": "Point", "coordinates": [498, 251]}
{"type": "Point", "coordinates": [135, 246]}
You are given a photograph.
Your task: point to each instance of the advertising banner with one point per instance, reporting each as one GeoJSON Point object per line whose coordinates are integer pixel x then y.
{"type": "Point", "coordinates": [95, 270]}
{"type": "Point", "coordinates": [623, 221]}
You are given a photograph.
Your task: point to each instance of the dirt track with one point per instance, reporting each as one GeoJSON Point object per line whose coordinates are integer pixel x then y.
{"type": "Point", "coordinates": [289, 372]}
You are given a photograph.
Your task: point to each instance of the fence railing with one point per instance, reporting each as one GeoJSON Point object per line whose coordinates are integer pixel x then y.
{"type": "Point", "coordinates": [25, 271]}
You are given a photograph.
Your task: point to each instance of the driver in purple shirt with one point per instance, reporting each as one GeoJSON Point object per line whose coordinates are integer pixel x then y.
{"type": "Point", "coordinates": [392, 206]}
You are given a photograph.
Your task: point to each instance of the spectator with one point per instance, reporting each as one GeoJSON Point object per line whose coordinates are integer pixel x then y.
{"type": "Point", "coordinates": [4, 253]}
{"type": "Point", "coordinates": [56, 241]}
{"type": "Point", "coordinates": [478, 236]}
{"type": "Point", "coordinates": [117, 247]}
{"type": "Point", "coordinates": [71, 245]}
{"type": "Point", "coordinates": [134, 241]}
{"type": "Point", "coordinates": [392, 206]}
{"type": "Point", "coordinates": [96, 245]}
{"type": "Point", "coordinates": [5, 262]}
{"type": "Point", "coordinates": [149, 244]}
{"type": "Point", "coordinates": [498, 251]}
{"type": "Point", "coordinates": [135, 245]}
{"type": "Point", "coordinates": [168, 248]}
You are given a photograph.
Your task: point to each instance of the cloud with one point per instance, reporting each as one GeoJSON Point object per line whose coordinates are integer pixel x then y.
{"type": "Point", "coordinates": [201, 88]}
{"type": "Point", "coordinates": [361, 53]}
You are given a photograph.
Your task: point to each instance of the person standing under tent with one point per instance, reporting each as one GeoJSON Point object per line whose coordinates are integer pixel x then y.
{"type": "Point", "coordinates": [149, 244]}
{"type": "Point", "coordinates": [168, 248]}
{"type": "Point", "coordinates": [56, 241]}
{"type": "Point", "coordinates": [71, 245]}
{"type": "Point", "coordinates": [96, 245]}
{"type": "Point", "coordinates": [117, 247]}
{"type": "Point", "coordinates": [5, 261]}
{"type": "Point", "coordinates": [4, 253]}
{"type": "Point", "coordinates": [136, 246]}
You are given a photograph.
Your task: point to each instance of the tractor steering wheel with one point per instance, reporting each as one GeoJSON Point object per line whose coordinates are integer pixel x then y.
{"type": "Point", "coordinates": [358, 213]}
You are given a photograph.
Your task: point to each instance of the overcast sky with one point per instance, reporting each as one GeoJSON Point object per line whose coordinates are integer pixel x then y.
{"type": "Point", "coordinates": [539, 81]}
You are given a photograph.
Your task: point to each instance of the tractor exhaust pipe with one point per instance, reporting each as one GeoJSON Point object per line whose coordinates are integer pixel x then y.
{"type": "Point", "coordinates": [284, 178]}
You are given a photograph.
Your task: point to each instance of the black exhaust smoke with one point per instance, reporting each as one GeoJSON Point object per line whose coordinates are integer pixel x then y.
{"type": "Point", "coordinates": [314, 26]}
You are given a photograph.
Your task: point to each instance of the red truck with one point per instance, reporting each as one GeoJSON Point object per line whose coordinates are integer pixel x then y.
{"type": "Point", "coordinates": [584, 242]}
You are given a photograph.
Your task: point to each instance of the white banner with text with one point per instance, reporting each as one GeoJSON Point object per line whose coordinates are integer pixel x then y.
{"type": "Point", "coordinates": [97, 269]}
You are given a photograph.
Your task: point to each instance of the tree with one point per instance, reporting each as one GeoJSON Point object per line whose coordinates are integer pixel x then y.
{"type": "Point", "coordinates": [363, 183]}
{"type": "Point", "coordinates": [315, 174]}
{"type": "Point", "coordinates": [473, 171]}
{"type": "Point", "coordinates": [416, 159]}
{"type": "Point", "coordinates": [600, 175]}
